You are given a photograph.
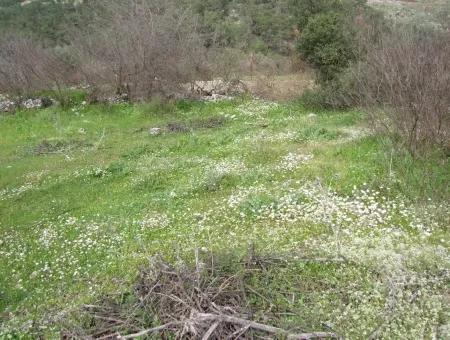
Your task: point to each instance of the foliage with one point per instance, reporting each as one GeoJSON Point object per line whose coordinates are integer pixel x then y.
{"type": "Point", "coordinates": [253, 25]}
{"type": "Point", "coordinates": [329, 34]}
{"type": "Point", "coordinates": [49, 21]}
{"type": "Point", "coordinates": [304, 10]}
{"type": "Point", "coordinates": [326, 45]}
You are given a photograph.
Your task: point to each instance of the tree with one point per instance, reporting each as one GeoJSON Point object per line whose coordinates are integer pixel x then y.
{"type": "Point", "coordinates": [327, 44]}
{"type": "Point", "coordinates": [328, 33]}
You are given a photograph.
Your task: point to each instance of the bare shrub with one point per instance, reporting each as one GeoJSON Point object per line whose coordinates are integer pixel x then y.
{"type": "Point", "coordinates": [226, 63]}
{"type": "Point", "coordinates": [140, 48]}
{"type": "Point", "coordinates": [405, 82]}
{"type": "Point", "coordinates": [232, 63]}
{"type": "Point", "coordinates": [26, 67]}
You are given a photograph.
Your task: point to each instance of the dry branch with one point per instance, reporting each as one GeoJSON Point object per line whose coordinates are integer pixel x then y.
{"type": "Point", "coordinates": [208, 299]}
{"type": "Point", "coordinates": [217, 319]}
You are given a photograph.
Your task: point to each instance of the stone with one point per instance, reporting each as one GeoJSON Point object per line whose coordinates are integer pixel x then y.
{"type": "Point", "coordinates": [155, 131]}
{"type": "Point", "coordinates": [218, 88]}
{"type": "Point", "coordinates": [32, 103]}
{"type": "Point", "coordinates": [7, 105]}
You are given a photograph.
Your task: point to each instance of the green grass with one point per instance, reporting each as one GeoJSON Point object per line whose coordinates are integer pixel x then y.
{"type": "Point", "coordinates": [87, 195]}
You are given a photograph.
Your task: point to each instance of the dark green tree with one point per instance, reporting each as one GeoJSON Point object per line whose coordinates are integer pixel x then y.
{"type": "Point", "coordinates": [327, 44]}
{"type": "Point", "coordinates": [328, 33]}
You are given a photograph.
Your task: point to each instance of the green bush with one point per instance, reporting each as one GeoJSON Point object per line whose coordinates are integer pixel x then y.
{"type": "Point", "coordinates": [304, 10]}
{"type": "Point", "coordinates": [329, 33]}
{"type": "Point", "coordinates": [328, 44]}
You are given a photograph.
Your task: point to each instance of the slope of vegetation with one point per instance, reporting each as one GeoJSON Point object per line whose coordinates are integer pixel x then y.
{"type": "Point", "coordinates": [261, 26]}
{"type": "Point", "coordinates": [47, 20]}
{"type": "Point", "coordinates": [129, 208]}
{"type": "Point", "coordinates": [434, 13]}
{"type": "Point", "coordinates": [90, 193]}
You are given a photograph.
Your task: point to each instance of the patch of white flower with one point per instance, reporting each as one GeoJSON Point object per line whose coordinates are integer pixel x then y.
{"type": "Point", "coordinates": [9, 193]}
{"type": "Point", "coordinates": [47, 237]}
{"type": "Point", "coordinates": [91, 172]}
{"type": "Point", "coordinates": [293, 160]}
{"type": "Point", "coordinates": [32, 180]}
{"type": "Point", "coordinates": [226, 167]}
{"type": "Point", "coordinates": [68, 248]}
{"type": "Point", "coordinates": [265, 136]}
{"type": "Point", "coordinates": [368, 230]}
{"type": "Point", "coordinates": [255, 108]}
{"type": "Point", "coordinates": [153, 221]}
{"type": "Point", "coordinates": [241, 195]}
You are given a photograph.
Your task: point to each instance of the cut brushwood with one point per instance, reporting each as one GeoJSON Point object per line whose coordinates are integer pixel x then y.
{"type": "Point", "coordinates": [216, 319]}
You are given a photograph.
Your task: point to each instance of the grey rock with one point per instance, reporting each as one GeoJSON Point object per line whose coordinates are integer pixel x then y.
{"type": "Point", "coordinates": [155, 131]}
{"type": "Point", "coordinates": [117, 99]}
{"type": "Point", "coordinates": [218, 88]}
{"type": "Point", "coordinates": [7, 105]}
{"type": "Point", "coordinates": [32, 103]}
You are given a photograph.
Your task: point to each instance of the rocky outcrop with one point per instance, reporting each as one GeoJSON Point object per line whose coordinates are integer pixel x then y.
{"type": "Point", "coordinates": [9, 105]}
{"type": "Point", "coordinates": [218, 87]}
{"type": "Point", "coordinates": [6, 104]}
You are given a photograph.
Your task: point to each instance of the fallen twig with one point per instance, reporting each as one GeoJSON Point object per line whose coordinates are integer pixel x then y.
{"type": "Point", "coordinates": [210, 330]}
{"type": "Point", "coordinates": [151, 330]}
{"type": "Point", "coordinates": [216, 318]}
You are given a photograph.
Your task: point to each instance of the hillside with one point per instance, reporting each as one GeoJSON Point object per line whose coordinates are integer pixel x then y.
{"type": "Point", "coordinates": [425, 12]}
{"type": "Point", "coordinates": [224, 169]}
{"type": "Point", "coordinates": [89, 194]}
{"type": "Point", "coordinates": [46, 20]}
{"type": "Point", "coordinates": [259, 26]}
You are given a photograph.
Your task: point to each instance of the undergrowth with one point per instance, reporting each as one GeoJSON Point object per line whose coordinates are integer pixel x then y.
{"type": "Point", "coordinates": [88, 195]}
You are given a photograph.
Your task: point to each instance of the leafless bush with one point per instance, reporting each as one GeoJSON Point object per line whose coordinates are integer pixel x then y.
{"type": "Point", "coordinates": [140, 48]}
{"type": "Point", "coordinates": [232, 63]}
{"type": "Point", "coordinates": [26, 67]}
{"type": "Point", "coordinates": [405, 82]}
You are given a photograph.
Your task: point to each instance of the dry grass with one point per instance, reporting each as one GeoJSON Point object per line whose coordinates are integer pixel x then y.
{"type": "Point", "coordinates": [280, 87]}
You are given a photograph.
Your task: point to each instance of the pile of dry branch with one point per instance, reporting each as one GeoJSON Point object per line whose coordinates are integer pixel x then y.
{"type": "Point", "coordinates": [207, 300]}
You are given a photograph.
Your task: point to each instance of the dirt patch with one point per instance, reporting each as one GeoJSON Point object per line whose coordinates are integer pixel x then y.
{"type": "Point", "coordinates": [177, 127]}
{"type": "Point", "coordinates": [209, 123]}
{"type": "Point", "coordinates": [187, 126]}
{"type": "Point", "coordinates": [286, 87]}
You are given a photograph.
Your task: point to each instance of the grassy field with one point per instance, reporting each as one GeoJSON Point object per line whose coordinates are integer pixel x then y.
{"type": "Point", "coordinates": [88, 195]}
